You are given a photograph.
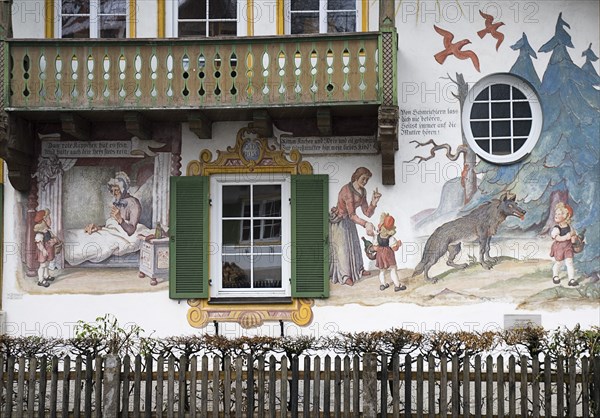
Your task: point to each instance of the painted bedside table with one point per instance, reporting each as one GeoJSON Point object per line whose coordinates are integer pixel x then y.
{"type": "Point", "coordinates": [154, 260]}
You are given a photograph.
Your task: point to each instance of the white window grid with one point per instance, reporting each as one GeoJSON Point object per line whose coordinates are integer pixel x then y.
{"type": "Point", "coordinates": [536, 119]}
{"type": "Point", "coordinates": [216, 258]}
{"type": "Point", "coordinates": [323, 10]}
{"type": "Point", "coordinates": [202, 21]}
{"type": "Point", "coordinates": [95, 15]}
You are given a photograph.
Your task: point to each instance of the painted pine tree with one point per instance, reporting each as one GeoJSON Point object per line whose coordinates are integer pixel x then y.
{"type": "Point", "coordinates": [564, 165]}
{"type": "Point", "coordinates": [523, 67]}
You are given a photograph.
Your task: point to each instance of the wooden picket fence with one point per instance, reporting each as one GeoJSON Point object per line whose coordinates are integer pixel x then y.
{"type": "Point", "coordinates": [309, 386]}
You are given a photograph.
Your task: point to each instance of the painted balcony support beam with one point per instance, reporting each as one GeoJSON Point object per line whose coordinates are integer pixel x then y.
{"type": "Point", "coordinates": [137, 125]}
{"type": "Point", "coordinates": [200, 125]}
{"type": "Point", "coordinates": [75, 126]}
{"type": "Point", "coordinates": [387, 136]}
{"type": "Point", "coordinates": [262, 123]}
{"type": "Point", "coordinates": [324, 123]}
{"type": "Point", "coordinates": [16, 148]}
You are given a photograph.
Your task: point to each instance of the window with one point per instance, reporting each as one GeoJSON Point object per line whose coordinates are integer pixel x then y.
{"type": "Point", "coordinates": [264, 236]}
{"type": "Point", "coordinates": [206, 18]}
{"type": "Point", "coordinates": [93, 18]}
{"type": "Point", "coordinates": [502, 118]}
{"type": "Point", "coordinates": [251, 229]}
{"type": "Point", "coordinates": [322, 16]}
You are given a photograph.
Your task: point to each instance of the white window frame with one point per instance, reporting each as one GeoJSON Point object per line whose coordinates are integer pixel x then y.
{"type": "Point", "coordinates": [536, 117]}
{"type": "Point", "coordinates": [172, 19]}
{"type": "Point", "coordinates": [322, 16]}
{"type": "Point", "coordinates": [94, 17]}
{"type": "Point", "coordinates": [217, 181]}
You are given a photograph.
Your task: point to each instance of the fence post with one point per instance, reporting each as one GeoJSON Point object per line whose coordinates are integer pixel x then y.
{"type": "Point", "coordinates": [596, 385]}
{"type": "Point", "coordinates": [110, 387]}
{"type": "Point", "coordinates": [370, 385]}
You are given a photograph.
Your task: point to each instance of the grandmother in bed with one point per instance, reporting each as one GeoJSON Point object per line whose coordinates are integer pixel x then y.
{"type": "Point", "coordinates": [126, 210]}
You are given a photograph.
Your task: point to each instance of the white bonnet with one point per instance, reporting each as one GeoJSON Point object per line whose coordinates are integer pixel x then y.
{"type": "Point", "coordinates": [122, 180]}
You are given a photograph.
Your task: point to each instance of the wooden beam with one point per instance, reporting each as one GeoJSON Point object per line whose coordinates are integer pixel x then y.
{"type": "Point", "coordinates": [262, 123]}
{"type": "Point", "coordinates": [16, 148]}
{"type": "Point", "coordinates": [324, 123]}
{"type": "Point", "coordinates": [137, 125]}
{"type": "Point", "coordinates": [387, 135]}
{"type": "Point", "coordinates": [200, 125]}
{"type": "Point", "coordinates": [75, 126]}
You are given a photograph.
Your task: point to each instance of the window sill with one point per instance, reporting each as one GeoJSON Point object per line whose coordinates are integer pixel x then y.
{"type": "Point", "coordinates": [250, 301]}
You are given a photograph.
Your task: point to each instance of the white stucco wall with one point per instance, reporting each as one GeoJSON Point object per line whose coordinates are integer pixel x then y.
{"type": "Point", "coordinates": [28, 17]}
{"type": "Point", "coordinates": [421, 86]}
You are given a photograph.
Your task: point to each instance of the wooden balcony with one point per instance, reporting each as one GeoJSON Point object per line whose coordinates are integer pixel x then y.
{"type": "Point", "coordinates": [185, 74]}
{"type": "Point", "coordinates": [341, 84]}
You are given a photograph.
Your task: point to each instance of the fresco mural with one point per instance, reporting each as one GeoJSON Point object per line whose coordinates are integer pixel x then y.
{"type": "Point", "coordinates": [525, 233]}
{"type": "Point", "coordinates": [97, 218]}
{"type": "Point", "coordinates": [95, 205]}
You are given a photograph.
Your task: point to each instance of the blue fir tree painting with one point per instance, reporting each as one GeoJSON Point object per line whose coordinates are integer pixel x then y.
{"type": "Point", "coordinates": [564, 165]}
{"type": "Point", "coordinates": [523, 67]}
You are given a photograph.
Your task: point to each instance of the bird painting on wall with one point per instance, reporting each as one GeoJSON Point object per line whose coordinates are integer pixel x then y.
{"type": "Point", "coordinates": [492, 29]}
{"type": "Point", "coordinates": [454, 49]}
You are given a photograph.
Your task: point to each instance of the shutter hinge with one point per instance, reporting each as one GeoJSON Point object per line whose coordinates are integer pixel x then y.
{"type": "Point", "coordinates": [210, 282]}
{"type": "Point", "coordinates": [209, 202]}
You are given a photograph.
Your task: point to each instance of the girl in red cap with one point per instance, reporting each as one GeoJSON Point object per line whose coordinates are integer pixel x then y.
{"type": "Point", "coordinates": [46, 245]}
{"type": "Point", "coordinates": [385, 260]}
{"type": "Point", "coordinates": [562, 248]}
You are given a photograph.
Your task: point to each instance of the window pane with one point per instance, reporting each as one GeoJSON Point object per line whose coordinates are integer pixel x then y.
{"type": "Point", "coordinates": [267, 230]}
{"type": "Point", "coordinates": [501, 146]}
{"type": "Point", "coordinates": [500, 92]}
{"type": "Point", "coordinates": [517, 94]}
{"type": "Point", "coordinates": [500, 110]}
{"type": "Point", "coordinates": [75, 7]}
{"type": "Point", "coordinates": [484, 145]}
{"type": "Point", "coordinates": [341, 5]}
{"type": "Point", "coordinates": [222, 28]}
{"type": "Point", "coordinates": [305, 5]}
{"type": "Point", "coordinates": [501, 128]}
{"type": "Point", "coordinates": [521, 110]}
{"type": "Point", "coordinates": [483, 96]}
{"type": "Point", "coordinates": [341, 22]}
{"type": "Point", "coordinates": [521, 127]}
{"type": "Point", "coordinates": [112, 27]}
{"type": "Point", "coordinates": [192, 29]}
{"type": "Point", "coordinates": [222, 9]}
{"type": "Point", "coordinates": [480, 129]}
{"type": "Point", "coordinates": [75, 27]}
{"type": "Point", "coordinates": [480, 111]}
{"type": "Point", "coordinates": [518, 143]}
{"type": "Point", "coordinates": [113, 7]}
{"type": "Point", "coordinates": [267, 193]}
{"type": "Point", "coordinates": [305, 23]}
{"type": "Point", "coordinates": [234, 199]}
{"type": "Point", "coordinates": [267, 272]}
{"type": "Point", "coordinates": [236, 272]}
{"type": "Point", "coordinates": [192, 9]}
{"type": "Point", "coordinates": [234, 232]}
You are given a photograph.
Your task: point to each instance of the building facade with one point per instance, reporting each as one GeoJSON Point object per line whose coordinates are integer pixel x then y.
{"type": "Point", "coordinates": [268, 166]}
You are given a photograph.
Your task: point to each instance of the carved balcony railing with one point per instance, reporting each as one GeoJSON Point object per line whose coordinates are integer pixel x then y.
{"type": "Point", "coordinates": [63, 75]}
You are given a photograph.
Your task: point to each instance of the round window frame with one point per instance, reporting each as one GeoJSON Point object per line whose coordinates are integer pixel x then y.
{"type": "Point", "coordinates": [537, 119]}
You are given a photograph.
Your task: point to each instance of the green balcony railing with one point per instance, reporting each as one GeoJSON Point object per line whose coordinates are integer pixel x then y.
{"type": "Point", "coordinates": [194, 73]}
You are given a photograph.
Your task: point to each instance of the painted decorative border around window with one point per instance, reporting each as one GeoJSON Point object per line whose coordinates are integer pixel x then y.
{"type": "Point", "coordinates": [502, 118]}
{"type": "Point", "coordinates": [265, 158]}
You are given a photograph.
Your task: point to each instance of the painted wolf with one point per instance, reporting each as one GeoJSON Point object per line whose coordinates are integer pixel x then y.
{"type": "Point", "coordinates": [481, 224]}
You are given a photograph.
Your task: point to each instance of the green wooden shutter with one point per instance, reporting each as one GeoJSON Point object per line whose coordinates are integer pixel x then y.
{"type": "Point", "coordinates": [188, 229]}
{"type": "Point", "coordinates": [310, 236]}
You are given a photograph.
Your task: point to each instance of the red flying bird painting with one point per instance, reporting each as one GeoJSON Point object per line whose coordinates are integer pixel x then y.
{"type": "Point", "coordinates": [454, 49]}
{"type": "Point", "coordinates": [492, 29]}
